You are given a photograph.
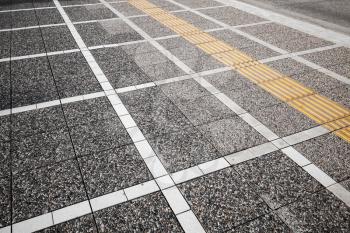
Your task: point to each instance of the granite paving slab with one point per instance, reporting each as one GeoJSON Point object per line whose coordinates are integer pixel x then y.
{"type": "Point", "coordinates": [5, 85]}
{"type": "Point", "coordinates": [37, 121]}
{"type": "Point", "coordinates": [340, 94]}
{"type": "Point", "coordinates": [223, 200]}
{"type": "Point", "coordinates": [289, 67]}
{"type": "Point", "coordinates": [42, 190]}
{"type": "Point", "coordinates": [196, 20]}
{"type": "Point", "coordinates": [152, 27]}
{"type": "Point", "coordinates": [22, 4]}
{"type": "Point", "coordinates": [32, 82]}
{"type": "Point", "coordinates": [319, 212]}
{"type": "Point", "coordinates": [228, 80]}
{"type": "Point", "coordinates": [48, 16]}
{"type": "Point", "coordinates": [5, 20]}
{"type": "Point", "coordinates": [341, 69]}
{"type": "Point", "coordinates": [41, 150]}
{"type": "Point", "coordinates": [5, 5]}
{"type": "Point", "coordinates": [231, 135]}
{"type": "Point", "coordinates": [100, 135]}
{"type": "Point", "coordinates": [150, 213]}
{"type": "Point", "coordinates": [258, 51]}
{"type": "Point", "coordinates": [5, 44]}
{"type": "Point", "coordinates": [301, 44]}
{"type": "Point", "coordinates": [283, 120]}
{"type": "Point", "coordinates": [43, 3]}
{"type": "Point", "coordinates": [126, 9]}
{"type": "Point", "coordinates": [23, 19]}
{"type": "Point", "coordinates": [330, 57]}
{"type": "Point", "coordinates": [58, 38]}
{"type": "Point", "coordinates": [93, 110]}
{"type": "Point", "coordinates": [278, 180]}
{"type": "Point", "coordinates": [107, 32]}
{"type": "Point", "coordinates": [77, 2]}
{"type": "Point", "coordinates": [203, 63]}
{"type": "Point", "coordinates": [84, 224]}
{"type": "Point", "coordinates": [183, 149]}
{"type": "Point", "coordinates": [168, 6]}
{"type": "Point", "coordinates": [113, 170]}
{"type": "Point", "coordinates": [232, 38]}
{"type": "Point", "coordinates": [5, 201]}
{"type": "Point", "coordinates": [27, 42]}
{"type": "Point", "coordinates": [161, 71]}
{"type": "Point", "coordinates": [70, 71]}
{"type": "Point", "coordinates": [5, 160]}
{"type": "Point", "coordinates": [89, 12]}
{"type": "Point", "coordinates": [199, 3]}
{"type": "Point", "coordinates": [329, 153]}
{"type": "Point", "coordinates": [5, 128]}
{"type": "Point", "coordinates": [204, 109]}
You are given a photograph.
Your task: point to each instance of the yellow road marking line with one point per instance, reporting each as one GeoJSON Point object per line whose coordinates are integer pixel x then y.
{"type": "Point", "coordinates": [318, 108]}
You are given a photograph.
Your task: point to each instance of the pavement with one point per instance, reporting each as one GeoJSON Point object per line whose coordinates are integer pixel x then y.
{"type": "Point", "coordinates": [171, 116]}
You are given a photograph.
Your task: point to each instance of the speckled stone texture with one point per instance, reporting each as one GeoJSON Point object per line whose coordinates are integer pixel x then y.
{"type": "Point", "coordinates": [223, 200]}
{"type": "Point", "coordinates": [112, 170]}
{"type": "Point", "coordinates": [150, 213]}
{"type": "Point", "coordinates": [5, 86]}
{"type": "Point", "coordinates": [329, 153]}
{"type": "Point", "coordinates": [85, 224]}
{"type": "Point", "coordinates": [231, 135]}
{"type": "Point", "coordinates": [330, 57]}
{"type": "Point", "coordinates": [99, 135]}
{"type": "Point", "coordinates": [42, 190]}
{"type": "Point", "coordinates": [5, 160]}
{"type": "Point", "coordinates": [199, 3]}
{"type": "Point", "coordinates": [319, 212]}
{"type": "Point", "coordinates": [266, 223]}
{"type": "Point", "coordinates": [152, 27]}
{"type": "Point", "coordinates": [58, 38]}
{"type": "Point", "coordinates": [77, 2]}
{"type": "Point", "coordinates": [283, 120]}
{"type": "Point", "coordinates": [107, 32]}
{"type": "Point", "coordinates": [5, 128]}
{"type": "Point", "coordinates": [23, 19]}
{"type": "Point", "coordinates": [277, 179]}
{"type": "Point", "coordinates": [5, 201]}
{"type": "Point", "coordinates": [166, 5]}
{"type": "Point", "coordinates": [26, 42]}
{"type": "Point", "coordinates": [93, 110]}
{"type": "Point", "coordinates": [229, 80]}
{"type": "Point", "coordinates": [41, 150]}
{"type": "Point", "coordinates": [89, 12]}
{"type": "Point", "coordinates": [32, 82]}
{"type": "Point", "coordinates": [196, 20]}
{"type": "Point", "coordinates": [341, 95]}
{"type": "Point", "coordinates": [5, 19]}
{"type": "Point", "coordinates": [70, 71]}
{"type": "Point", "coordinates": [126, 9]}
{"type": "Point", "coordinates": [48, 16]}
{"type": "Point", "coordinates": [289, 67]}
{"type": "Point", "coordinates": [203, 63]}
{"type": "Point", "coordinates": [5, 44]}
{"type": "Point", "coordinates": [182, 149]}
{"type": "Point", "coordinates": [37, 121]}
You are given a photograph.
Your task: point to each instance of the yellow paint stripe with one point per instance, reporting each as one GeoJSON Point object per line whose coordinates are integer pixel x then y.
{"type": "Point", "coordinates": [318, 108]}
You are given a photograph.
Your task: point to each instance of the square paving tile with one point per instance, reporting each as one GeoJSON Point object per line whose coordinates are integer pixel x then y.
{"type": "Point", "coordinates": [199, 3]}
{"type": "Point", "coordinates": [5, 19]}
{"type": "Point", "coordinates": [48, 16]}
{"type": "Point", "coordinates": [252, 97]}
{"type": "Point", "coordinates": [99, 135]}
{"type": "Point", "coordinates": [258, 51]}
{"type": "Point", "coordinates": [203, 63]}
{"type": "Point", "coordinates": [329, 153]}
{"type": "Point", "coordinates": [152, 27]}
{"type": "Point", "coordinates": [32, 82]}
{"type": "Point", "coordinates": [232, 38]}
{"type": "Point", "coordinates": [120, 70]}
{"type": "Point", "coordinates": [5, 44]}
{"type": "Point", "coordinates": [231, 16]}
{"type": "Point", "coordinates": [73, 75]}
{"type": "Point", "coordinates": [5, 128]}
{"type": "Point", "coordinates": [150, 213]}
{"type": "Point", "coordinates": [84, 112]}
{"type": "Point", "coordinates": [5, 201]}
{"type": "Point", "coordinates": [41, 150]}
{"type": "Point", "coordinates": [37, 121]}
{"type": "Point", "coordinates": [166, 5]}
{"type": "Point", "coordinates": [5, 86]}
{"type": "Point", "coordinates": [270, 28]}
{"type": "Point", "coordinates": [223, 200]}
{"type": "Point", "coordinates": [228, 80]}
{"type": "Point", "coordinates": [6, 5]}
{"type": "Point", "coordinates": [278, 180]}
{"type": "Point", "coordinates": [183, 149]}
{"type": "Point", "coordinates": [26, 42]}
{"type": "Point", "coordinates": [283, 119]}
{"type": "Point", "coordinates": [204, 109]}
{"type": "Point", "coordinates": [330, 57]}
{"type": "Point", "coordinates": [89, 12]}
{"type": "Point", "coordinates": [58, 38]}
{"type": "Point", "coordinates": [184, 90]}
{"type": "Point", "coordinates": [126, 9]}
{"type": "Point", "coordinates": [43, 3]}
{"type": "Point", "coordinates": [341, 69]}
{"type": "Point", "coordinates": [317, 81]}
{"type": "Point", "coordinates": [266, 223]}
{"type": "Point", "coordinates": [77, 2]}
{"type": "Point", "coordinates": [84, 224]}
{"type": "Point", "coordinates": [161, 71]}
{"type": "Point", "coordinates": [113, 170]}
{"type": "Point", "coordinates": [320, 212]}
{"type": "Point", "coordinates": [231, 135]}
{"type": "Point", "coordinates": [341, 95]}
{"type": "Point", "coordinates": [289, 67]}
{"type": "Point", "coordinates": [107, 32]}
{"type": "Point", "coordinates": [5, 160]}
{"type": "Point", "coordinates": [301, 44]}
{"type": "Point", "coordinates": [39, 191]}
{"type": "Point", "coordinates": [196, 20]}
{"type": "Point", "coordinates": [23, 19]}
{"type": "Point", "coordinates": [22, 4]}
{"type": "Point", "coordinates": [137, 48]}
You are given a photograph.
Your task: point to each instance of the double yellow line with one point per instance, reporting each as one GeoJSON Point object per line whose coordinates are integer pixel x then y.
{"type": "Point", "coordinates": [318, 108]}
